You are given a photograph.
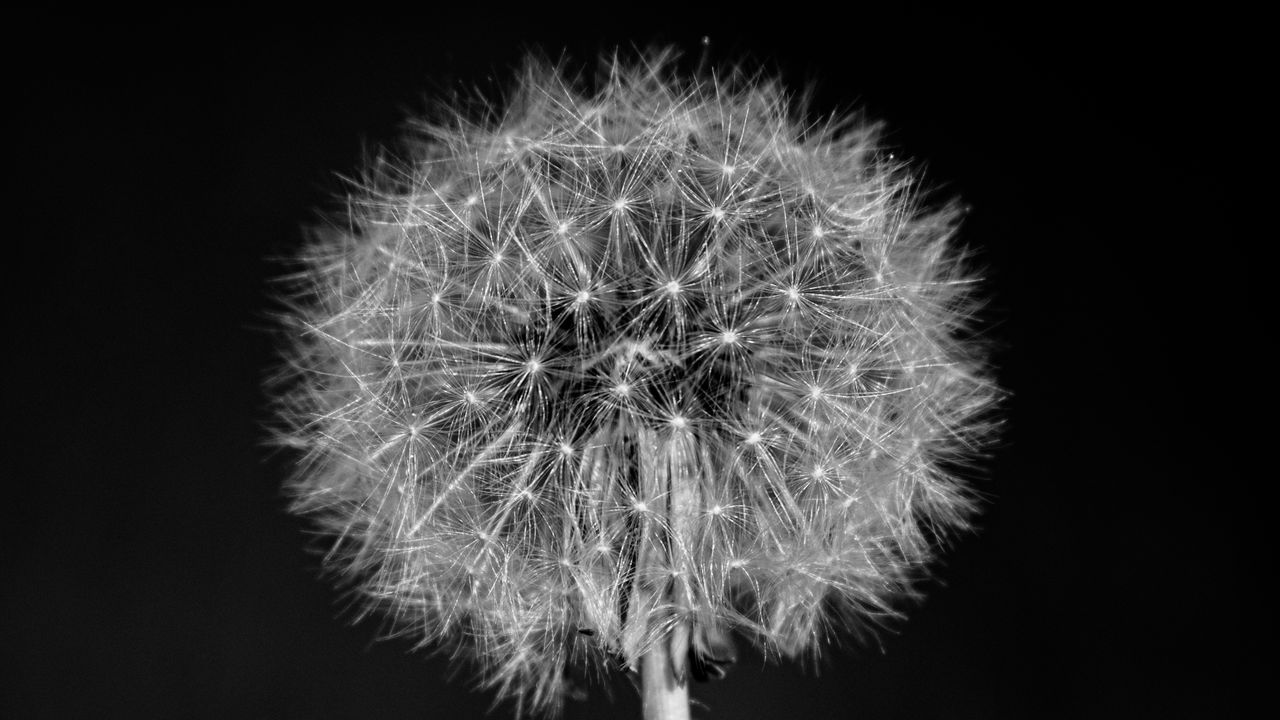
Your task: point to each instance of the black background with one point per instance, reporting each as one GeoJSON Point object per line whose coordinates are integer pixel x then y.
{"type": "Point", "coordinates": [151, 571]}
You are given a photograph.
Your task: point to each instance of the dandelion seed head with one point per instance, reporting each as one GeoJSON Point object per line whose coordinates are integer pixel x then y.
{"type": "Point", "coordinates": [646, 367]}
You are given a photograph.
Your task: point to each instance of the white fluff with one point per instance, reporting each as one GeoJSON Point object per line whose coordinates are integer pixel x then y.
{"type": "Point", "coordinates": [648, 364]}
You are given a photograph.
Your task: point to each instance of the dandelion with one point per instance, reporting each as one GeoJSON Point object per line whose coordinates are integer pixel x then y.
{"type": "Point", "coordinates": [619, 374]}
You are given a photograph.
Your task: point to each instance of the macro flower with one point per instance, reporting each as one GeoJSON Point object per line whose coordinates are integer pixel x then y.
{"type": "Point", "coordinates": [619, 373]}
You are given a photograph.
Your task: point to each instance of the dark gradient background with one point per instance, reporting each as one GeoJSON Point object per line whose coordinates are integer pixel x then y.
{"type": "Point", "coordinates": [149, 567]}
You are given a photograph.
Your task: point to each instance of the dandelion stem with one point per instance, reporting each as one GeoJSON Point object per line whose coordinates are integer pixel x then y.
{"type": "Point", "coordinates": [664, 696]}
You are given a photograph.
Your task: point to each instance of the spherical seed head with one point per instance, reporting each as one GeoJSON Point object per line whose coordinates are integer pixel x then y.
{"type": "Point", "coordinates": [653, 356]}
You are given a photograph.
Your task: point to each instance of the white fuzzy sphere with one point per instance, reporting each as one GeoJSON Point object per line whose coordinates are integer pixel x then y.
{"type": "Point", "coordinates": [653, 363]}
